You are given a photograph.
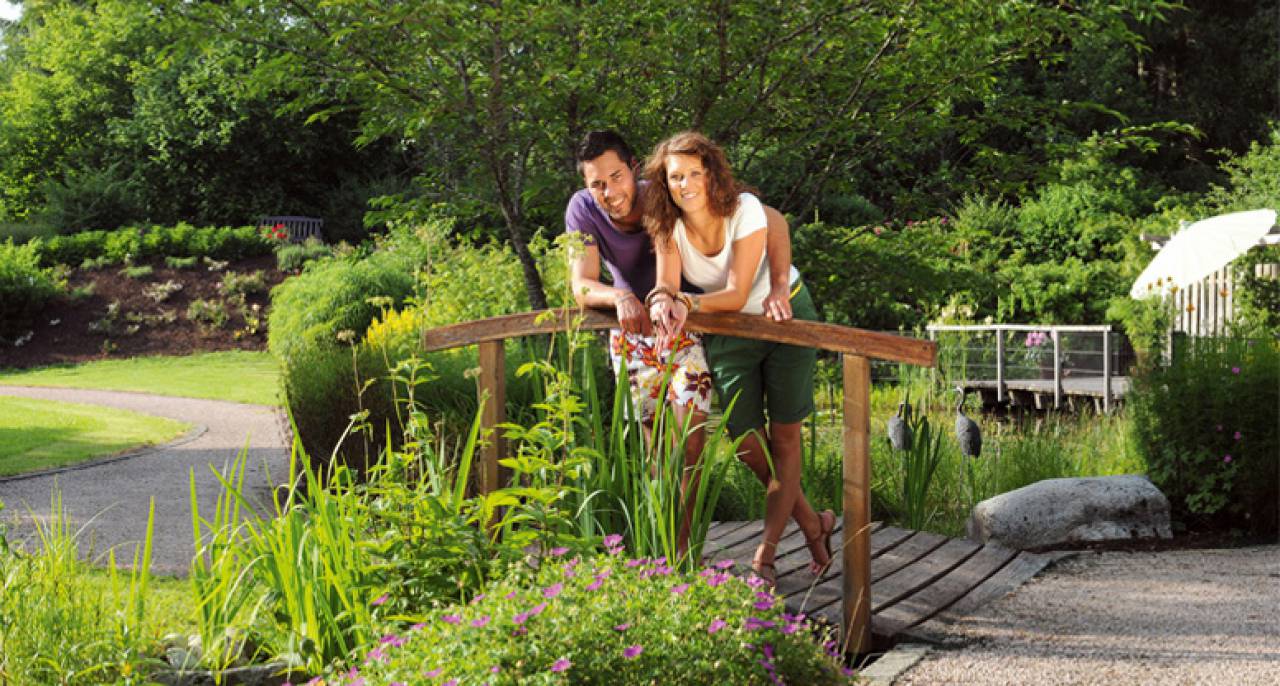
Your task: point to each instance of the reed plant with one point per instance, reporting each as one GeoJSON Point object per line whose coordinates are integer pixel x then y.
{"type": "Point", "coordinates": [59, 626]}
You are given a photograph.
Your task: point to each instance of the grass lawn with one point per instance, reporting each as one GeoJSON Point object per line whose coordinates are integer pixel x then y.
{"type": "Point", "coordinates": [238, 375]}
{"type": "Point", "coordinates": [40, 434]}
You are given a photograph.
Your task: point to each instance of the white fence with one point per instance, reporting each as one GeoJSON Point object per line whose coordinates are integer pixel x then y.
{"type": "Point", "coordinates": [1205, 308]}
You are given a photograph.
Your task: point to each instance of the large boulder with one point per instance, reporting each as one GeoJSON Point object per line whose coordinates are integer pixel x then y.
{"type": "Point", "coordinates": [1057, 511]}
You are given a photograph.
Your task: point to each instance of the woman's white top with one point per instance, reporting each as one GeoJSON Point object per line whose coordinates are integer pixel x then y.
{"type": "Point", "coordinates": [711, 272]}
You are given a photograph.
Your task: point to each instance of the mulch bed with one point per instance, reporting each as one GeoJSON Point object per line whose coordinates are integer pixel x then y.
{"type": "Point", "coordinates": [65, 331]}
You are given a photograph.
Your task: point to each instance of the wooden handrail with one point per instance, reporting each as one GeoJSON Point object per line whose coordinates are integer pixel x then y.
{"type": "Point", "coordinates": [859, 347]}
{"type": "Point", "coordinates": [841, 339]}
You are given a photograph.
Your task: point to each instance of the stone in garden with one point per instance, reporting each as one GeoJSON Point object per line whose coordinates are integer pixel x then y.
{"type": "Point", "coordinates": [1057, 511]}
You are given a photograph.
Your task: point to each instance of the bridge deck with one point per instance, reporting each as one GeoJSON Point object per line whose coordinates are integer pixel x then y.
{"type": "Point", "coordinates": [915, 575]}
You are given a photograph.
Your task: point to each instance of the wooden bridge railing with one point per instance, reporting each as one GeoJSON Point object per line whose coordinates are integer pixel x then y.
{"type": "Point", "coordinates": [858, 347]}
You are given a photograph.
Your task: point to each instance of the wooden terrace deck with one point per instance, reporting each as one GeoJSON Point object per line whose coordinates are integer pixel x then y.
{"type": "Point", "coordinates": [1038, 393]}
{"type": "Point", "coordinates": [915, 575]}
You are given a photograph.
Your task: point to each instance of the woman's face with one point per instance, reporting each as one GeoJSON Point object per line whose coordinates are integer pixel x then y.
{"type": "Point", "coordinates": [687, 182]}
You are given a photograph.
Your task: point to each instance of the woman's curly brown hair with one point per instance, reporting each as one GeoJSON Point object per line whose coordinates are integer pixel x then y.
{"type": "Point", "coordinates": [660, 209]}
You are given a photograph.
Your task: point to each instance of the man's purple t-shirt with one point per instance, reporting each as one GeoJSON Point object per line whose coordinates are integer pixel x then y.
{"type": "Point", "coordinates": [629, 256]}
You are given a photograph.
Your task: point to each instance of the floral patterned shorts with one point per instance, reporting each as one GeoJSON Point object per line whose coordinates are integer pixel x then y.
{"type": "Point", "coordinates": [690, 384]}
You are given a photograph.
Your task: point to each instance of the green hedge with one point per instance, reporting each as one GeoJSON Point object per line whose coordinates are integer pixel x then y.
{"type": "Point", "coordinates": [183, 240]}
{"type": "Point", "coordinates": [1206, 425]}
{"type": "Point", "coordinates": [25, 287]}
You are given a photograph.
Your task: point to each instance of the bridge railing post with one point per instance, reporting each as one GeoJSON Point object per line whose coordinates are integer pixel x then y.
{"type": "Point", "coordinates": [493, 379]}
{"type": "Point", "coordinates": [856, 551]}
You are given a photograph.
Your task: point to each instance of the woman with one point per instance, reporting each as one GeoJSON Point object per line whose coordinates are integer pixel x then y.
{"type": "Point", "coordinates": [709, 229]}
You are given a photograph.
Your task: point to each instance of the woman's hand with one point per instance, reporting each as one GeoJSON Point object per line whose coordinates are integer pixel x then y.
{"type": "Point", "coordinates": [668, 316]}
{"type": "Point", "coordinates": [777, 306]}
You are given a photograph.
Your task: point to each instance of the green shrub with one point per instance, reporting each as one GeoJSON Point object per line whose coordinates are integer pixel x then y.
{"type": "Point", "coordinates": [308, 312]}
{"type": "Point", "coordinates": [235, 283]}
{"type": "Point", "coordinates": [1206, 425]}
{"type": "Point", "coordinates": [93, 199]}
{"type": "Point", "coordinates": [181, 262]}
{"type": "Point", "coordinates": [292, 257]}
{"type": "Point", "coordinates": [25, 287]}
{"type": "Point", "coordinates": [23, 233]}
{"type": "Point", "coordinates": [224, 243]}
{"type": "Point", "coordinates": [607, 620]}
{"type": "Point", "coordinates": [910, 269]}
{"type": "Point", "coordinates": [209, 314]}
{"type": "Point", "coordinates": [141, 271]}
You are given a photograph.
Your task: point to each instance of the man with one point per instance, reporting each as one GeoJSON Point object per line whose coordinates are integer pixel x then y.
{"type": "Point", "coordinates": [607, 213]}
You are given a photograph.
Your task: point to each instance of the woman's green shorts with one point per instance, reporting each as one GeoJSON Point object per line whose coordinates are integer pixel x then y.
{"type": "Point", "coordinates": [764, 375]}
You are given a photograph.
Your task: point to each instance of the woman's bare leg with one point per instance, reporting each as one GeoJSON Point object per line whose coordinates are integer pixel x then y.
{"type": "Point", "coordinates": [752, 454]}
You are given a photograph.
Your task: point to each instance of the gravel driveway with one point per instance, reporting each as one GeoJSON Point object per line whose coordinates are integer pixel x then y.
{"type": "Point", "coordinates": [1175, 617]}
{"type": "Point", "coordinates": [111, 499]}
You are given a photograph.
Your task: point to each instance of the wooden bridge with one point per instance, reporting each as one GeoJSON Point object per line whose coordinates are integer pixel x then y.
{"type": "Point", "coordinates": [854, 574]}
{"type": "Point", "coordinates": [915, 575]}
{"type": "Point", "coordinates": [1068, 388]}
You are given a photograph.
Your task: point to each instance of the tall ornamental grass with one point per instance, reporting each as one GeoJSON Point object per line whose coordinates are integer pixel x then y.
{"type": "Point", "coordinates": [59, 625]}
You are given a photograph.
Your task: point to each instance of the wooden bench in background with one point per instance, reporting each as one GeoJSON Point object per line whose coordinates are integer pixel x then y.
{"type": "Point", "coordinates": [299, 228]}
{"type": "Point", "coordinates": [858, 348]}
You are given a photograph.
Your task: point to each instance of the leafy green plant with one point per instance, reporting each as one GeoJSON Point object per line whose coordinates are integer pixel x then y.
{"type": "Point", "coordinates": [25, 287]}
{"type": "Point", "coordinates": [1206, 426]}
{"type": "Point", "coordinates": [180, 262]}
{"type": "Point", "coordinates": [919, 463]}
{"type": "Point", "coordinates": [292, 257]}
{"type": "Point", "coordinates": [141, 271]}
{"type": "Point", "coordinates": [607, 620]}
{"type": "Point", "coordinates": [56, 626]}
{"type": "Point", "coordinates": [209, 314]}
{"type": "Point", "coordinates": [235, 283]}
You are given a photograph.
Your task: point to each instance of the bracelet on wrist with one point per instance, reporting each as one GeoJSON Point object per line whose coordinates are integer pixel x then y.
{"type": "Point", "coordinates": [653, 295]}
{"type": "Point", "coordinates": [685, 300]}
{"type": "Point", "coordinates": [623, 295]}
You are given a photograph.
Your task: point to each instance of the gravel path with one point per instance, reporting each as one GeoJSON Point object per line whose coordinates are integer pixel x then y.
{"type": "Point", "coordinates": [111, 499]}
{"type": "Point", "coordinates": [1175, 617]}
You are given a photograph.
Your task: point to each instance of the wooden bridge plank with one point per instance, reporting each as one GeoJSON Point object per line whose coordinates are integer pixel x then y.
{"type": "Point", "coordinates": [922, 572]}
{"type": "Point", "coordinates": [914, 548]}
{"type": "Point", "coordinates": [942, 593]}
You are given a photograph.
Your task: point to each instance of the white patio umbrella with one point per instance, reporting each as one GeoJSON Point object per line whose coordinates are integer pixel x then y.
{"type": "Point", "coordinates": [1201, 249]}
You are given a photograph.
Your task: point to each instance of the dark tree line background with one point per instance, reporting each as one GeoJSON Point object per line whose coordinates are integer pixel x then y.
{"type": "Point", "coordinates": [1043, 129]}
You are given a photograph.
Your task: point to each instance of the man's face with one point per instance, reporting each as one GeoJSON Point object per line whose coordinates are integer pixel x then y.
{"type": "Point", "coordinates": [612, 183]}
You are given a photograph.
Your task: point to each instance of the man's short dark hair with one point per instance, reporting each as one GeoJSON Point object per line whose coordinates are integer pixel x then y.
{"type": "Point", "coordinates": [597, 143]}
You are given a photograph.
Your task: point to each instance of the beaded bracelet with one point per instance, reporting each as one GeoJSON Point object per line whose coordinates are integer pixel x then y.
{"type": "Point", "coordinates": [653, 294]}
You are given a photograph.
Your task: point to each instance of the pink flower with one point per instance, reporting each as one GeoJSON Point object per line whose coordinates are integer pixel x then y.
{"type": "Point", "coordinates": [558, 551]}
{"type": "Point", "coordinates": [632, 652]}
{"type": "Point", "coordinates": [717, 579]}
{"type": "Point", "coordinates": [537, 609]}
{"type": "Point", "coordinates": [452, 619]}
{"type": "Point", "coordinates": [495, 669]}
{"type": "Point", "coordinates": [510, 596]}
{"type": "Point", "coordinates": [679, 588]}
{"type": "Point", "coordinates": [553, 590]}
{"type": "Point", "coordinates": [418, 627]}
{"type": "Point", "coordinates": [1237, 436]}
{"type": "Point", "coordinates": [754, 623]}
{"type": "Point", "coordinates": [1235, 370]}
{"type": "Point", "coordinates": [790, 628]}
{"type": "Point", "coordinates": [636, 563]}
{"type": "Point", "coordinates": [561, 665]}
{"type": "Point", "coordinates": [395, 641]}
{"type": "Point", "coordinates": [433, 673]}
{"type": "Point", "coordinates": [1226, 459]}
{"type": "Point", "coordinates": [613, 540]}
{"type": "Point", "coordinates": [716, 625]}
{"type": "Point", "coordinates": [482, 621]}
{"type": "Point", "coordinates": [725, 564]}
{"type": "Point", "coordinates": [477, 599]}
{"type": "Point", "coordinates": [451, 682]}
{"type": "Point", "coordinates": [763, 604]}
{"type": "Point", "coordinates": [595, 585]}
{"type": "Point", "coordinates": [754, 581]}
{"type": "Point", "coordinates": [622, 627]}
{"type": "Point", "coordinates": [380, 599]}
